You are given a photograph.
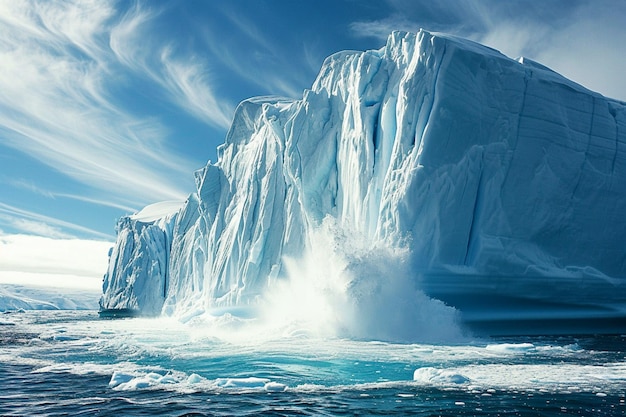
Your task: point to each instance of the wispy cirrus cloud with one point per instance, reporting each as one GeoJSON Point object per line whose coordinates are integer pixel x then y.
{"type": "Point", "coordinates": [41, 225]}
{"type": "Point", "coordinates": [60, 63]}
{"type": "Point", "coordinates": [381, 29]}
{"type": "Point", "coordinates": [582, 39]}
{"type": "Point", "coordinates": [38, 228]}
{"type": "Point", "coordinates": [590, 48]}
{"type": "Point", "coordinates": [29, 185]}
{"type": "Point", "coordinates": [56, 74]}
{"type": "Point", "coordinates": [184, 80]}
{"type": "Point", "coordinates": [255, 57]}
{"type": "Point", "coordinates": [187, 82]}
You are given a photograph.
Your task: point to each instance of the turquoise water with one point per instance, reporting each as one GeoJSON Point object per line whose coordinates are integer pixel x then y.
{"type": "Point", "coordinates": [73, 363]}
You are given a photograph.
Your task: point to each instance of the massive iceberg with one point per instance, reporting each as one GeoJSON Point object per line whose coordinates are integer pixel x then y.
{"type": "Point", "coordinates": [433, 167]}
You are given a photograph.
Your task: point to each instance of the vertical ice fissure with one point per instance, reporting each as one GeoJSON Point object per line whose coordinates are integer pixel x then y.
{"type": "Point", "coordinates": [613, 113]}
{"type": "Point", "coordinates": [586, 157]}
{"type": "Point", "coordinates": [433, 99]}
{"type": "Point", "coordinates": [475, 212]}
{"type": "Point", "coordinates": [527, 77]}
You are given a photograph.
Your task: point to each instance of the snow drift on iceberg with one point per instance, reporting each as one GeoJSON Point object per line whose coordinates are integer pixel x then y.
{"type": "Point", "coordinates": [433, 164]}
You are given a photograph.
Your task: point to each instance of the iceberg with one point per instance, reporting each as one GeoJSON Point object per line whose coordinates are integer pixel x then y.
{"type": "Point", "coordinates": [431, 181]}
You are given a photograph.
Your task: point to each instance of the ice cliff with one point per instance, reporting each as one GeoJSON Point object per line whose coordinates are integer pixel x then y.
{"type": "Point", "coordinates": [501, 183]}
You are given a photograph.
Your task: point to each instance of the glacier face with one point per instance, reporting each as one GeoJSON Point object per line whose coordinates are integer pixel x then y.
{"type": "Point", "coordinates": [478, 176]}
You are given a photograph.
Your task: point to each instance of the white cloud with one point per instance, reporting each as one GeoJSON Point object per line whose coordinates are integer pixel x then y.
{"type": "Point", "coordinates": [184, 79]}
{"type": "Point", "coordinates": [582, 40]}
{"type": "Point", "coordinates": [585, 46]}
{"type": "Point", "coordinates": [590, 49]}
{"type": "Point", "coordinates": [189, 86]}
{"type": "Point", "coordinates": [26, 184]}
{"type": "Point", "coordinates": [40, 254]}
{"type": "Point", "coordinates": [29, 185]}
{"type": "Point", "coordinates": [57, 72]}
{"type": "Point", "coordinates": [256, 58]}
{"type": "Point", "coordinates": [125, 37]}
{"type": "Point", "coordinates": [38, 228]}
{"type": "Point", "coordinates": [40, 261]}
{"type": "Point", "coordinates": [21, 285]}
{"type": "Point", "coordinates": [55, 106]}
{"type": "Point", "coordinates": [77, 21]}
{"type": "Point", "coordinates": [382, 28]}
{"type": "Point", "coordinates": [45, 226]}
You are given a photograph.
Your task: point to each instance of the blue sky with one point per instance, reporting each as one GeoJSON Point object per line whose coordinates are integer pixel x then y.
{"type": "Point", "coordinates": [106, 106]}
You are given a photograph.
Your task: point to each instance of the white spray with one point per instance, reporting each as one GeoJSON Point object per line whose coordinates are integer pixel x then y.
{"type": "Point", "coordinates": [345, 285]}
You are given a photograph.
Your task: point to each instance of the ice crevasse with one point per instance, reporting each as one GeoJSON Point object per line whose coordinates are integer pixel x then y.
{"type": "Point", "coordinates": [500, 184]}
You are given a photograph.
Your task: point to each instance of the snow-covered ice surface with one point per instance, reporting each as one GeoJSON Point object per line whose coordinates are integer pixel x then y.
{"type": "Point", "coordinates": [156, 211]}
{"type": "Point", "coordinates": [430, 174]}
{"type": "Point", "coordinates": [21, 297]}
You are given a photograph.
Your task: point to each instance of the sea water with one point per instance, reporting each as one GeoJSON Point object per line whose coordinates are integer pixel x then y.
{"type": "Point", "coordinates": [74, 363]}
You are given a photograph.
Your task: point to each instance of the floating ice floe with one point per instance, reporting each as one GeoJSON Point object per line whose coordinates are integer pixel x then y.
{"type": "Point", "coordinates": [431, 375]}
{"type": "Point", "coordinates": [126, 381]}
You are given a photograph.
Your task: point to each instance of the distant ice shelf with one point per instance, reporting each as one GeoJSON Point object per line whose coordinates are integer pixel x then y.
{"type": "Point", "coordinates": [433, 167]}
{"type": "Point", "coordinates": [21, 297]}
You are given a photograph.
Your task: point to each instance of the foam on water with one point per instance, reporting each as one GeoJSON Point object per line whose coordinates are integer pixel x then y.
{"type": "Point", "coordinates": [511, 347]}
{"type": "Point", "coordinates": [152, 354]}
{"type": "Point", "coordinates": [143, 361]}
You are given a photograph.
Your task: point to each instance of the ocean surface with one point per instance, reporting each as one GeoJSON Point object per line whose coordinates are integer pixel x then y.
{"type": "Point", "coordinates": [68, 363]}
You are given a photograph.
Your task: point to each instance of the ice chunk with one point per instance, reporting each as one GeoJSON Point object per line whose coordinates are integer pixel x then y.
{"type": "Point", "coordinates": [195, 379]}
{"type": "Point", "coordinates": [275, 387]}
{"type": "Point", "coordinates": [438, 376]}
{"type": "Point", "coordinates": [127, 382]}
{"type": "Point", "coordinates": [250, 382]}
{"type": "Point", "coordinates": [119, 378]}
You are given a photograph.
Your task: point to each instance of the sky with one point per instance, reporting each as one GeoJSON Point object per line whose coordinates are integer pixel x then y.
{"type": "Point", "coordinates": [107, 106]}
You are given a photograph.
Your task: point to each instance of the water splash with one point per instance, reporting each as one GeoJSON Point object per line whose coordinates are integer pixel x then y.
{"type": "Point", "coordinates": [346, 285]}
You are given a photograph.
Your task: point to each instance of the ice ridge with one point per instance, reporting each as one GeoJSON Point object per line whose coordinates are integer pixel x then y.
{"type": "Point", "coordinates": [494, 174]}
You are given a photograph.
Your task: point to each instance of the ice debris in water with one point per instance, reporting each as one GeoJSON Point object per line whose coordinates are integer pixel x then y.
{"type": "Point", "coordinates": [121, 381]}
{"type": "Point", "coordinates": [438, 376]}
{"type": "Point", "coordinates": [124, 381]}
{"type": "Point", "coordinates": [251, 382]}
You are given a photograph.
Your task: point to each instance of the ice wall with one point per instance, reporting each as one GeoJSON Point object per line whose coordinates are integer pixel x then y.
{"type": "Point", "coordinates": [486, 169]}
{"type": "Point", "coordinates": [138, 263]}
